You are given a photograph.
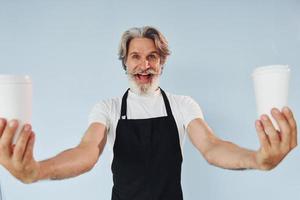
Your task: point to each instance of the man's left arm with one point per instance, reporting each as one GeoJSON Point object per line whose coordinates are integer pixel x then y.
{"type": "Point", "coordinates": [274, 145]}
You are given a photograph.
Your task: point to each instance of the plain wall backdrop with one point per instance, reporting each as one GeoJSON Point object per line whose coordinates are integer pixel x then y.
{"type": "Point", "coordinates": [69, 48]}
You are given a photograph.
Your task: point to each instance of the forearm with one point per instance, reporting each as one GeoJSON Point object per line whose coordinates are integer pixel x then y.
{"type": "Point", "coordinates": [230, 156]}
{"type": "Point", "coordinates": [69, 163]}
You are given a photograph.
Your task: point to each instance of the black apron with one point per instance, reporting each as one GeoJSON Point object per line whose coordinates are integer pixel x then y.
{"type": "Point", "coordinates": [147, 157]}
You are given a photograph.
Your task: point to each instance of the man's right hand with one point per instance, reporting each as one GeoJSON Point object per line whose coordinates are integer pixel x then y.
{"type": "Point", "coordinates": [18, 159]}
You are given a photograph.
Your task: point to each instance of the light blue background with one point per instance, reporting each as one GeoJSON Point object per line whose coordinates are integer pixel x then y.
{"type": "Point", "coordinates": [69, 48]}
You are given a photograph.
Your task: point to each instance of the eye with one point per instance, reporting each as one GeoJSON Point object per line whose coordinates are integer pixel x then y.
{"type": "Point", "coordinates": [135, 56]}
{"type": "Point", "coordinates": [153, 57]}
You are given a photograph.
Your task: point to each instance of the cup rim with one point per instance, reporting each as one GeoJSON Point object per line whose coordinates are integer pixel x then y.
{"type": "Point", "coordinates": [10, 78]}
{"type": "Point", "coordinates": [270, 69]}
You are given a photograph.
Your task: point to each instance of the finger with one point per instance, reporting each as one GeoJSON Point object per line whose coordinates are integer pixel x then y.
{"type": "Point", "coordinates": [8, 134]}
{"type": "Point", "coordinates": [28, 156]}
{"type": "Point", "coordinates": [21, 143]}
{"type": "Point", "coordinates": [263, 138]}
{"type": "Point", "coordinates": [285, 129]}
{"type": "Point", "coordinates": [13, 147]}
{"type": "Point", "coordinates": [291, 120]}
{"type": "Point", "coordinates": [270, 131]}
{"type": "Point", "coordinates": [2, 126]}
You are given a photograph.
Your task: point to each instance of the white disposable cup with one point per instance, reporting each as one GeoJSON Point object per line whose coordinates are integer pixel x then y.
{"type": "Point", "coordinates": [16, 100]}
{"type": "Point", "coordinates": [271, 85]}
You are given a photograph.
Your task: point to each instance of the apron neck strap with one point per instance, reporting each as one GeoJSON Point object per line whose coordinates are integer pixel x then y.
{"type": "Point", "coordinates": [167, 103]}
{"type": "Point", "coordinates": [124, 104]}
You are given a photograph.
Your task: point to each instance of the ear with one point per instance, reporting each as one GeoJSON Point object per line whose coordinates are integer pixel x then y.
{"type": "Point", "coordinates": [124, 65]}
{"type": "Point", "coordinates": [162, 66]}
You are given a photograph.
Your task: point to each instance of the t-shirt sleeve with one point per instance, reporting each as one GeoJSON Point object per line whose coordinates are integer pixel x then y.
{"type": "Point", "coordinates": [100, 113]}
{"type": "Point", "coordinates": [190, 110]}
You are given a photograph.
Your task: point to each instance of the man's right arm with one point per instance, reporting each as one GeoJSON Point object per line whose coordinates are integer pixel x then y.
{"type": "Point", "coordinates": [19, 160]}
{"type": "Point", "coordinates": [78, 160]}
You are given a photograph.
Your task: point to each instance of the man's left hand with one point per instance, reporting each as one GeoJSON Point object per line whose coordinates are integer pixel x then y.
{"type": "Point", "coordinates": [275, 145]}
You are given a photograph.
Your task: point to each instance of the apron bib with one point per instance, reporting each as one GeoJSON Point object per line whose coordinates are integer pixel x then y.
{"type": "Point", "coordinates": [147, 157]}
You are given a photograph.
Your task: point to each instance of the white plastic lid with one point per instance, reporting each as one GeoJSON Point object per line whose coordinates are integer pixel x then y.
{"type": "Point", "coordinates": [271, 68]}
{"type": "Point", "coordinates": [15, 79]}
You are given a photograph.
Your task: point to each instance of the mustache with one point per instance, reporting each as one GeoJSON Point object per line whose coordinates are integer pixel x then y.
{"type": "Point", "coordinates": [147, 71]}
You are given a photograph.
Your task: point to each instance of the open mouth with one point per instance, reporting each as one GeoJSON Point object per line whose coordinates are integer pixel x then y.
{"type": "Point", "coordinates": [144, 78]}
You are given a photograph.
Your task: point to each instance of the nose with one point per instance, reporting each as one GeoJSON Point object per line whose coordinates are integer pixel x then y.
{"type": "Point", "coordinates": [145, 64]}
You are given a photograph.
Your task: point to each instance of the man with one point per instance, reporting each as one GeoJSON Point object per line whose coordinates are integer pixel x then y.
{"type": "Point", "coordinates": [146, 128]}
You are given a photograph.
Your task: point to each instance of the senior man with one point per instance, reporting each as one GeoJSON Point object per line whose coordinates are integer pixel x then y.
{"type": "Point", "coordinates": [146, 128]}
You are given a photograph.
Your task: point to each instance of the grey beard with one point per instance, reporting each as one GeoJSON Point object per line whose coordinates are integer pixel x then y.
{"type": "Point", "coordinates": [143, 89]}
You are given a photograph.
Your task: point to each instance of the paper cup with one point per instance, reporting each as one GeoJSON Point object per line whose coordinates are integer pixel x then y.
{"type": "Point", "coordinates": [16, 100]}
{"type": "Point", "coordinates": [271, 85]}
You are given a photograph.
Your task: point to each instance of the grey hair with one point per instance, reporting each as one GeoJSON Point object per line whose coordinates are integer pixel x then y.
{"type": "Point", "coordinates": [144, 32]}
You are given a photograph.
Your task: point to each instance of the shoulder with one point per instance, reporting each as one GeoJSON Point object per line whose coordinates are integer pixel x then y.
{"type": "Point", "coordinates": [104, 111]}
{"type": "Point", "coordinates": [186, 105]}
{"type": "Point", "coordinates": [183, 100]}
{"type": "Point", "coordinates": [105, 108]}
{"type": "Point", "coordinates": [107, 103]}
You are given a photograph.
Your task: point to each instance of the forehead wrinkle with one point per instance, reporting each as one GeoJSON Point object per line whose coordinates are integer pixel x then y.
{"type": "Point", "coordinates": [151, 52]}
{"type": "Point", "coordinates": [142, 45]}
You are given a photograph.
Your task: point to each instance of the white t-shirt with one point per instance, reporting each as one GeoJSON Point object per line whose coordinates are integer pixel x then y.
{"type": "Point", "coordinates": [107, 112]}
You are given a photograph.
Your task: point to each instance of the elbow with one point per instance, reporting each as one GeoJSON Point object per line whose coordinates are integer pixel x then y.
{"type": "Point", "coordinates": [27, 181]}
{"type": "Point", "coordinates": [209, 158]}
{"type": "Point", "coordinates": [211, 155]}
{"type": "Point", "coordinates": [82, 170]}
{"type": "Point", "coordinates": [209, 152]}
{"type": "Point", "coordinates": [90, 158]}
{"type": "Point", "coordinates": [90, 165]}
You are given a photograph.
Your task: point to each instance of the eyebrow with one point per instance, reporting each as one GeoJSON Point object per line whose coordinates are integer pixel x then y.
{"type": "Point", "coordinates": [134, 52]}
